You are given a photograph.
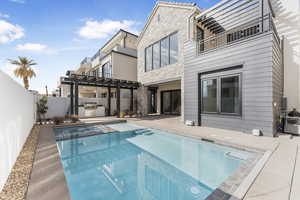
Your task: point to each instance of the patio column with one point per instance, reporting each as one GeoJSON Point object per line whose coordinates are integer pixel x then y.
{"type": "Point", "coordinates": [131, 99]}
{"type": "Point", "coordinates": [109, 101]}
{"type": "Point", "coordinates": [59, 92]}
{"type": "Point", "coordinates": [76, 98]}
{"type": "Point", "coordinates": [118, 99]}
{"type": "Point", "coordinates": [71, 99]}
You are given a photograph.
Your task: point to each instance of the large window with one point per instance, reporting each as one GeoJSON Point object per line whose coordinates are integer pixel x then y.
{"type": "Point", "coordinates": [221, 95]}
{"type": "Point", "coordinates": [173, 48]}
{"type": "Point", "coordinates": [162, 53]}
{"type": "Point", "coordinates": [107, 70]}
{"type": "Point", "coordinates": [209, 96]}
{"type": "Point", "coordinates": [230, 95]}
{"type": "Point", "coordinates": [156, 56]}
{"type": "Point", "coordinates": [148, 59]}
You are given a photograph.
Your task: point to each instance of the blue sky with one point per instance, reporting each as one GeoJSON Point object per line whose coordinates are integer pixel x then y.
{"type": "Point", "coordinates": [58, 34]}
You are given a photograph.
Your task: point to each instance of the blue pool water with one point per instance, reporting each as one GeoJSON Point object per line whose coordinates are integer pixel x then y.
{"type": "Point", "coordinates": [145, 164]}
{"type": "Point", "coordinates": [61, 133]}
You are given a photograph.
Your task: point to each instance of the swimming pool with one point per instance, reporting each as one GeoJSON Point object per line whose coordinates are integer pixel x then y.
{"type": "Point", "coordinates": [63, 133]}
{"type": "Point", "coordinates": [138, 163]}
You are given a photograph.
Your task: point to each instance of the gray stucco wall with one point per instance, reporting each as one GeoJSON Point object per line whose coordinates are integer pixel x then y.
{"type": "Point", "coordinates": [258, 76]}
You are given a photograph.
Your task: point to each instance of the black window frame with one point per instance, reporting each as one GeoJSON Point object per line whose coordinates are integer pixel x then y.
{"type": "Point", "coordinates": [169, 54]}
{"type": "Point", "coordinates": [219, 97]}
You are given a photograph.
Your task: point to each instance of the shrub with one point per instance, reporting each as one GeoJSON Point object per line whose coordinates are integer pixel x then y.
{"type": "Point", "coordinates": [58, 120]}
{"type": "Point", "coordinates": [131, 113]}
{"type": "Point", "coordinates": [122, 114]}
{"type": "Point", "coordinates": [126, 112]}
{"type": "Point", "coordinates": [74, 118]}
{"type": "Point", "coordinates": [42, 107]}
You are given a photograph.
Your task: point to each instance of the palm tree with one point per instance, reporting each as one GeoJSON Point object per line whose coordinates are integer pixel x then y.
{"type": "Point", "coordinates": [24, 69]}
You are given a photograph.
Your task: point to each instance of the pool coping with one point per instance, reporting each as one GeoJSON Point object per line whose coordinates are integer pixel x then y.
{"type": "Point", "coordinates": [221, 193]}
{"type": "Point", "coordinates": [47, 179]}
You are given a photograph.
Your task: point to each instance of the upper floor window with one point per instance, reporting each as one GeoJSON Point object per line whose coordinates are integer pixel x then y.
{"type": "Point", "coordinates": [156, 55]}
{"type": "Point", "coordinates": [107, 70]}
{"type": "Point", "coordinates": [173, 48]}
{"type": "Point", "coordinates": [148, 58]}
{"type": "Point", "coordinates": [162, 53]}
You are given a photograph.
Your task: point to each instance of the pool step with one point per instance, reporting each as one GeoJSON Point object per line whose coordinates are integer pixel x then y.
{"type": "Point", "coordinates": [236, 155]}
{"type": "Point", "coordinates": [144, 132]}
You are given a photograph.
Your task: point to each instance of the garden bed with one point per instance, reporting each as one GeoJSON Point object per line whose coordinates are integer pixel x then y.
{"type": "Point", "coordinates": [17, 183]}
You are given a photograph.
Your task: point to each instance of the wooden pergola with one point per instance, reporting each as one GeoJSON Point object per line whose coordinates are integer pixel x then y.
{"type": "Point", "coordinates": [75, 80]}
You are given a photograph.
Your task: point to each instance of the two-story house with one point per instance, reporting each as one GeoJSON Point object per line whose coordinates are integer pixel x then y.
{"type": "Point", "coordinates": [117, 59]}
{"type": "Point", "coordinates": [221, 67]}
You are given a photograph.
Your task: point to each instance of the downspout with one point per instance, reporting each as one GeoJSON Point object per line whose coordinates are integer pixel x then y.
{"type": "Point", "coordinates": [189, 23]}
{"type": "Point", "coordinates": [262, 16]}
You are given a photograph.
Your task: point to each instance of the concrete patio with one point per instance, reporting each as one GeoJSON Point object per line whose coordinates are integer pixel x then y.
{"type": "Point", "coordinates": [280, 177]}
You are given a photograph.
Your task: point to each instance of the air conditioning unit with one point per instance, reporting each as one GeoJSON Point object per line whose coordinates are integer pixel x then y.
{"type": "Point", "coordinates": [256, 132]}
{"type": "Point", "coordinates": [292, 125]}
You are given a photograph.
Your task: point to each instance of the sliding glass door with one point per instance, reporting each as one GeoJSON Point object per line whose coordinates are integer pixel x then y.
{"type": "Point", "coordinates": [171, 102]}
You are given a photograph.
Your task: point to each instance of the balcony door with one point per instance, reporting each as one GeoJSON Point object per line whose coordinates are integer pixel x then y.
{"type": "Point", "coordinates": [171, 102]}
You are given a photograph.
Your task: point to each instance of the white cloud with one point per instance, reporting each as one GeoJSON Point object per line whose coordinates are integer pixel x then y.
{"type": "Point", "coordinates": [102, 29]}
{"type": "Point", "coordinates": [8, 68]}
{"type": "Point", "coordinates": [31, 47]}
{"type": "Point", "coordinates": [3, 15]}
{"type": "Point", "coordinates": [18, 1]}
{"type": "Point", "coordinates": [10, 32]}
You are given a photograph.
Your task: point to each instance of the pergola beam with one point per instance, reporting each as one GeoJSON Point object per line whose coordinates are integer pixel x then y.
{"type": "Point", "coordinates": [109, 101]}
{"type": "Point", "coordinates": [118, 100]}
{"type": "Point", "coordinates": [95, 81]}
{"type": "Point", "coordinates": [76, 98]}
{"type": "Point", "coordinates": [71, 99]}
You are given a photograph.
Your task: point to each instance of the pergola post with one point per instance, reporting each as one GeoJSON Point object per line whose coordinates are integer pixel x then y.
{"type": "Point", "coordinates": [59, 92]}
{"type": "Point", "coordinates": [131, 99]}
{"type": "Point", "coordinates": [76, 98]}
{"type": "Point", "coordinates": [109, 100]}
{"type": "Point", "coordinates": [71, 99]}
{"type": "Point", "coordinates": [118, 99]}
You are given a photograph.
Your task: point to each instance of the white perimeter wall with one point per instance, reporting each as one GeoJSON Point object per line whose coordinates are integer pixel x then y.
{"type": "Point", "coordinates": [57, 107]}
{"type": "Point", "coordinates": [288, 25]}
{"type": "Point", "coordinates": [17, 116]}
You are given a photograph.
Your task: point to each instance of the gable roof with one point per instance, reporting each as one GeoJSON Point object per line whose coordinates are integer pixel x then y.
{"type": "Point", "coordinates": [172, 4]}
{"type": "Point", "coordinates": [115, 36]}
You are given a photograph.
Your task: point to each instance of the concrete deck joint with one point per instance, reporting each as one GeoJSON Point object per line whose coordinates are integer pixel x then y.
{"type": "Point", "coordinates": [294, 169]}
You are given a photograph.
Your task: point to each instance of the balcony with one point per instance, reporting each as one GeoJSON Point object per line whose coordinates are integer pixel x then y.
{"type": "Point", "coordinates": [232, 21]}
{"type": "Point", "coordinates": [250, 29]}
